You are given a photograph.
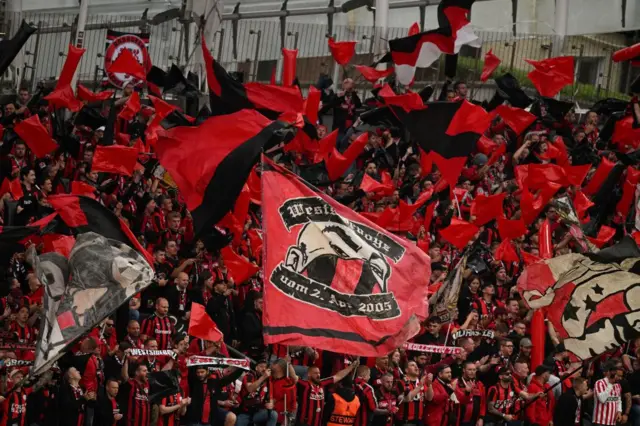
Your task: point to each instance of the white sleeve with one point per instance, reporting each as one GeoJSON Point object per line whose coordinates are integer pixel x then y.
{"type": "Point", "coordinates": [603, 390]}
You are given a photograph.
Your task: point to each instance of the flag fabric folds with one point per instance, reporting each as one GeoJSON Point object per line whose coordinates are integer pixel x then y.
{"type": "Point", "coordinates": [587, 298]}
{"type": "Point", "coordinates": [114, 159]}
{"type": "Point", "coordinates": [342, 51]}
{"type": "Point", "coordinates": [491, 62]}
{"type": "Point", "coordinates": [210, 163]}
{"type": "Point", "coordinates": [74, 54]}
{"type": "Point", "coordinates": [551, 75]}
{"type": "Point", "coordinates": [99, 276]}
{"type": "Point", "coordinates": [290, 56]}
{"type": "Point", "coordinates": [430, 127]}
{"type": "Point", "coordinates": [419, 50]}
{"type": "Point", "coordinates": [333, 279]}
{"type": "Point", "coordinates": [202, 326]}
{"type": "Point", "coordinates": [36, 136]}
{"type": "Point", "coordinates": [89, 96]}
{"type": "Point", "coordinates": [371, 74]}
{"type": "Point", "coordinates": [9, 48]}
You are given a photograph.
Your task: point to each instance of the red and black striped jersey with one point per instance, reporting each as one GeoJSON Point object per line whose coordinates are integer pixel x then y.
{"type": "Point", "coordinates": [476, 408]}
{"type": "Point", "coordinates": [410, 411]}
{"type": "Point", "coordinates": [298, 357]}
{"type": "Point", "coordinates": [311, 401]}
{"type": "Point", "coordinates": [138, 409]}
{"type": "Point", "coordinates": [253, 401]}
{"type": "Point", "coordinates": [24, 334]}
{"type": "Point", "coordinates": [160, 329]}
{"type": "Point", "coordinates": [386, 401]}
{"type": "Point", "coordinates": [15, 407]}
{"type": "Point", "coordinates": [504, 400]}
{"type": "Point", "coordinates": [171, 419]}
{"type": "Point", "coordinates": [368, 402]}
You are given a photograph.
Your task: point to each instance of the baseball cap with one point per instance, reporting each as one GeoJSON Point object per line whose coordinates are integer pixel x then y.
{"type": "Point", "coordinates": [100, 129]}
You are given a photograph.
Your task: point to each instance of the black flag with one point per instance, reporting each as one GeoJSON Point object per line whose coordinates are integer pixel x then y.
{"type": "Point", "coordinates": [9, 48]}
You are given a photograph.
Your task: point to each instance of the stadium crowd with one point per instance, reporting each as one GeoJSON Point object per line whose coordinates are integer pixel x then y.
{"type": "Point", "coordinates": [488, 380]}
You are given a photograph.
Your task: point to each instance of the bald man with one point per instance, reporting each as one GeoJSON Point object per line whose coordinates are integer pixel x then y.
{"type": "Point", "coordinates": [179, 297]}
{"type": "Point", "coordinates": [159, 326]}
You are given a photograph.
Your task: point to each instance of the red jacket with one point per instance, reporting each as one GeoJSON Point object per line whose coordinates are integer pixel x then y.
{"type": "Point", "coordinates": [89, 381]}
{"type": "Point", "coordinates": [440, 408]}
{"type": "Point", "coordinates": [540, 412]}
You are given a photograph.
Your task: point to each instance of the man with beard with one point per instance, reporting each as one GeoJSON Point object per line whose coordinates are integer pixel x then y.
{"type": "Point", "coordinates": [540, 411]}
{"type": "Point", "coordinates": [443, 396]}
{"type": "Point", "coordinates": [205, 392]}
{"type": "Point", "coordinates": [387, 398]}
{"type": "Point", "coordinates": [28, 205]}
{"type": "Point", "coordinates": [607, 408]}
{"type": "Point", "coordinates": [133, 335]}
{"type": "Point", "coordinates": [504, 401]}
{"type": "Point", "coordinates": [411, 390]}
{"type": "Point", "coordinates": [107, 408]}
{"type": "Point", "coordinates": [472, 413]}
{"type": "Point", "coordinates": [255, 405]}
{"type": "Point", "coordinates": [311, 393]}
{"type": "Point", "coordinates": [159, 326]}
{"type": "Point", "coordinates": [134, 397]}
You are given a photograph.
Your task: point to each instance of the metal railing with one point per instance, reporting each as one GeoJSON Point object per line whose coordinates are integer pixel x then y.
{"type": "Point", "coordinates": [255, 50]}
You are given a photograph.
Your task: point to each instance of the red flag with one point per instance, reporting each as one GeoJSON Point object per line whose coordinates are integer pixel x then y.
{"type": "Point", "coordinates": [582, 203]}
{"type": "Point", "coordinates": [202, 326]}
{"type": "Point", "coordinates": [239, 268]}
{"type": "Point", "coordinates": [131, 107]}
{"type": "Point", "coordinates": [89, 96]}
{"type": "Point", "coordinates": [428, 216]}
{"type": "Point", "coordinates": [372, 75]}
{"type": "Point", "coordinates": [529, 258]}
{"type": "Point", "coordinates": [414, 29]}
{"type": "Point", "coordinates": [576, 174]}
{"type": "Point", "coordinates": [342, 51]}
{"type": "Point", "coordinates": [600, 175]}
{"type": "Point", "coordinates": [58, 243]}
{"type": "Point", "coordinates": [562, 156]}
{"type": "Point", "coordinates": [506, 252]}
{"type": "Point", "coordinates": [459, 232]}
{"type": "Point", "coordinates": [312, 103]}
{"type": "Point", "coordinates": [82, 188]}
{"type": "Point", "coordinates": [114, 159]}
{"type": "Point", "coordinates": [545, 246]}
{"type": "Point", "coordinates": [511, 229]}
{"type": "Point", "coordinates": [289, 66]}
{"type": "Point", "coordinates": [485, 209]}
{"type": "Point", "coordinates": [551, 75]}
{"type": "Point", "coordinates": [64, 98]}
{"type": "Point", "coordinates": [409, 101]}
{"type": "Point", "coordinates": [486, 146]}
{"type": "Point", "coordinates": [338, 163]}
{"type": "Point", "coordinates": [326, 146]}
{"type": "Point", "coordinates": [369, 184]}
{"type": "Point", "coordinates": [426, 163]}
{"type": "Point", "coordinates": [450, 168]}
{"type": "Point", "coordinates": [126, 63]}
{"type": "Point", "coordinates": [274, 78]}
{"type": "Point", "coordinates": [516, 118]}
{"type": "Point", "coordinates": [362, 264]}
{"type": "Point", "coordinates": [605, 234]}
{"type": "Point", "coordinates": [16, 189]}
{"type": "Point", "coordinates": [469, 118]}
{"type": "Point", "coordinates": [491, 62]}
{"type": "Point", "coordinates": [538, 338]}
{"type": "Point", "coordinates": [495, 155]}
{"type": "Point", "coordinates": [74, 54]}
{"type": "Point", "coordinates": [628, 192]}
{"type": "Point", "coordinates": [162, 109]}
{"type": "Point", "coordinates": [35, 136]}
{"type": "Point", "coordinates": [627, 53]}
{"type": "Point", "coordinates": [539, 175]}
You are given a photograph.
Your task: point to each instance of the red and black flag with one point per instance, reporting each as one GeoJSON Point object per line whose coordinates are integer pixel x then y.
{"type": "Point", "coordinates": [211, 162]}
{"type": "Point", "coordinates": [333, 279]}
{"type": "Point", "coordinates": [9, 48]}
{"type": "Point", "coordinates": [83, 214]}
{"type": "Point", "coordinates": [589, 298]}
{"type": "Point", "coordinates": [227, 95]}
{"type": "Point", "coordinates": [451, 129]}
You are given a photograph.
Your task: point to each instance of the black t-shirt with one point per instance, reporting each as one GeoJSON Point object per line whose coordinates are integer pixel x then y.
{"type": "Point", "coordinates": [29, 202]}
{"type": "Point", "coordinates": [634, 382]}
{"type": "Point", "coordinates": [625, 388]}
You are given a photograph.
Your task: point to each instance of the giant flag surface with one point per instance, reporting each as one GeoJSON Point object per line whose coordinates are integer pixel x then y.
{"type": "Point", "coordinates": [99, 276]}
{"type": "Point", "coordinates": [591, 300]}
{"type": "Point", "coordinates": [333, 279]}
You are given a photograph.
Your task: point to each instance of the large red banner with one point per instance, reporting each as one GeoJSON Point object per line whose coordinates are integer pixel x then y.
{"type": "Point", "coordinates": [333, 279]}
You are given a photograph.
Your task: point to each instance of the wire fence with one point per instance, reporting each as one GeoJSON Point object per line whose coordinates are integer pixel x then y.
{"type": "Point", "coordinates": [252, 48]}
